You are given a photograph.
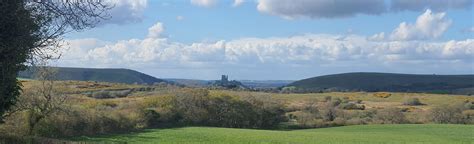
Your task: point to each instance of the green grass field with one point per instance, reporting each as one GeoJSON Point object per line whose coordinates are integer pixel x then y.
{"type": "Point", "coordinates": [363, 134]}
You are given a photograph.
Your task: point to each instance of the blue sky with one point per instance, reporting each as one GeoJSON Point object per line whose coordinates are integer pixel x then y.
{"type": "Point", "coordinates": [278, 39]}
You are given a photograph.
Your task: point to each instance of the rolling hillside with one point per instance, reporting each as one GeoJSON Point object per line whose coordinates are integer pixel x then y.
{"type": "Point", "coordinates": [455, 84]}
{"type": "Point", "coordinates": [102, 75]}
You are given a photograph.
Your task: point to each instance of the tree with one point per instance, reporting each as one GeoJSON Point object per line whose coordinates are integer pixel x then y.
{"type": "Point", "coordinates": [32, 30]}
{"type": "Point", "coordinates": [42, 100]}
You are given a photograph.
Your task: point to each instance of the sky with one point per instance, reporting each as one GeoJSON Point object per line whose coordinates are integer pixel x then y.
{"type": "Point", "coordinates": [278, 39]}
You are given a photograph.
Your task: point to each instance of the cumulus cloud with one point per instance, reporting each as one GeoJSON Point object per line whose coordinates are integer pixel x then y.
{"type": "Point", "coordinates": [204, 3]}
{"type": "Point", "coordinates": [126, 11]}
{"type": "Point", "coordinates": [298, 55]}
{"type": "Point", "coordinates": [156, 30]}
{"type": "Point", "coordinates": [435, 5]}
{"type": "Point", "coordinates": [428, 25]}
{"type": "Point", "coordinates": [377, 37]}
{"type": "Point", "coordinates": [320, 8]}
{"type": "Point", "coordinates": [303, 50]}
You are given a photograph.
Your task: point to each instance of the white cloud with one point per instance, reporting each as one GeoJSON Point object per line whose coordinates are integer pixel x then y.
{"type": "Point", "coordinates": [272, 57]}
{"type": "Point", "coordinates": [238, 3]}
{"type": "Point", "coordinates": [377, 37]}
{"type": "Point", "coordinates": [304, 50]}
{"type": "Point", "coordinates": [428, 26]}
{"type": "Point", "coordinates": [156, 30]}
{"type": "Point", "coordinates": [459, 49]}
{"type": "Point", "coordinates": [320, 8]}
{"type": "Point", "coordinates": [126, 11]}
{"type": "Point", "coordinates": [204, 3]}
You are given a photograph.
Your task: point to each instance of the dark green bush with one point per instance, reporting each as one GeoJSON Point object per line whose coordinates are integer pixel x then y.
{"type": "Point", "coordinates": [151, 117]}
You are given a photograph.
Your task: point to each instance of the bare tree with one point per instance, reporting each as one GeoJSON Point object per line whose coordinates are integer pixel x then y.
{"type": "Point", "coordinates": [58, 17]}
{"type": "Point", "coordinates": [42, 100]}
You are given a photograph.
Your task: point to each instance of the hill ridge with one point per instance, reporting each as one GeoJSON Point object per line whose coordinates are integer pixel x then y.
{"type": "Point", "coordinates": [114, 75]}
{"type": "Point", "coordinates": [396, 82]}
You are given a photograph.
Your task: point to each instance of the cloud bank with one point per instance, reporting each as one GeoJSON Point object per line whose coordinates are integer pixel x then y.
{"type": "Point", "coordinates": [297, 55]}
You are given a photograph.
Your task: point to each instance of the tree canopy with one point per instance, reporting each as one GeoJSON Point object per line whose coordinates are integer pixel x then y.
{"type": "Point", "coordinates": [32, 31]}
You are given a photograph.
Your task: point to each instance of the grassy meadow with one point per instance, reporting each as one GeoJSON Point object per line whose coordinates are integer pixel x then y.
{"type": "Point", "coordinates": [367, 134]}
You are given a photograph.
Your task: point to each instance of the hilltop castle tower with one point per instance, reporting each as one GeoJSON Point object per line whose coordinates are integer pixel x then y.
{"type": "Point", "coordinates": [225, 79]}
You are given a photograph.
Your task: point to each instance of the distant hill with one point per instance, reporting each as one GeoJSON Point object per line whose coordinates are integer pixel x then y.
{"type": "Point", "coordinates": [265, 83]}
{"type": "Point", "coordinates": [191, 82]}
{"type": "Point", "coordinates": [102, 75]}
{"type": "Point", "coordinates": [454, 84]}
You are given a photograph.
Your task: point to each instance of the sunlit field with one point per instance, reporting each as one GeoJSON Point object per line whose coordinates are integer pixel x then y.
{"type": "Point", "coordinates": [368, 134]}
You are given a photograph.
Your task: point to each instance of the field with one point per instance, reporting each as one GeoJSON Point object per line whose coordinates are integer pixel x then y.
{"type": "Point", "coordinates": [394, 134]}
{"type": "Point", "coordinates": [111, 112]}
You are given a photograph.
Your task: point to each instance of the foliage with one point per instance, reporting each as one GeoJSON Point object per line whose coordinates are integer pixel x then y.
{"type": "Point", "coordinates": [165, 107]}
{"type": "Point", "coordinates": [197, 107]}
{"type": "Point", "coordinates": [16, 43]}
{"type": "Point", "coordinates": [101, 75]}
{"type": "Point", "coordinates": [41, 101]}
{"type": "Point", "coordinates": [110, 94]}
{"type": "Point", "coordinates": [448, 114]}
{"type": "Point", "coordinates": [31, 31]}
{"type": "Point", "coordinates": [390, 116]}
{"type": "Point", "coordinates": [352, 106]}
{"type": "Point", "coordinates": [374, 82]}
{"type": "Point", "coordinates": [469, 105]}
{"type": "Point", "coordinates": [413, 102]}
{"type": "Point", "coordinates": [382, 95]}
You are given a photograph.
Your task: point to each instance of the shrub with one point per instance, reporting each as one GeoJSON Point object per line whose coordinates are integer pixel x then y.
{"type": "Point", "coordinates": [151, 117]}
{"type": "Point", "coordinates": [101, 94]}
{"type": "Point", "coordinates": [336, 101]}
{"type": "Point", "coordinates": [382, 95]}
{"type": "Point", "coordinates": [351, 106]}
{"type": "Point", "coordinates": [412, 102]}
{"type": "Point", "coordinates": [327, 98]}
{"type": "Point", "coordinates": [468, 116]}
{"type": "Point", "coordinates": [390, 116]}
{"type": "Point", "coordinates": [119, 94]}
{"type": "Point", "coordinates": [328, 113]}
{"type": "Point", "coordinates": [469, 105]}
{"type": "Point", "coordinates": [447, 114]}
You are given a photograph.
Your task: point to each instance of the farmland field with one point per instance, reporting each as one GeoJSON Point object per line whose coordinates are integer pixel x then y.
{"type": "Point", "coordinates": [394, 134]}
